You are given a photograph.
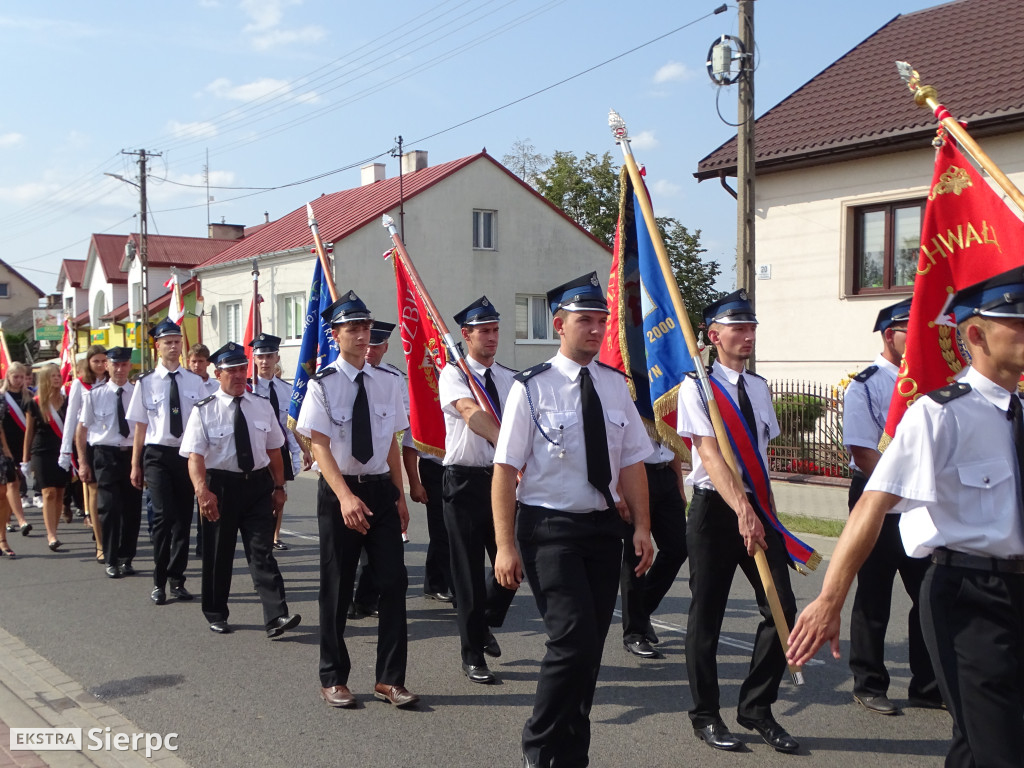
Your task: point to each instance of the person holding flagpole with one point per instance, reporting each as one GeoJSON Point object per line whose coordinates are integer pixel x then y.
{"type": "Point", "coordinates": [44, 431]}
{"type": "Point", "coordinates": [727, 523]}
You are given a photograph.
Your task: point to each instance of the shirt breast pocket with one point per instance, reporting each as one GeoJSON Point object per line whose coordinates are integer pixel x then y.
{"type": "Point", "coordinates": [261, 430]}
{"type": "Point", "coordinates": [986, 483]}
{"type": "Point", "coordinates": [219, 432]}
{"type": "Point", "coordinates": [384, 419]}
{"type": "Point", "coordinates": [562, 429]}
{"type": "Point", "coordinates": [615, 422]}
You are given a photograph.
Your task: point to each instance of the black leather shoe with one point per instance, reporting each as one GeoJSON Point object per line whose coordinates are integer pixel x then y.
{"type": "Point", "coordinates": [491, 647]}
{"type": "Point", "coordinates": [113, 572]}
{"type": "Point", "coordinates": [926, 702]}
{"type": "Point", "coordinates": [26, 529]}
{"type": "Point", "coordinates": [220, 627]}
{"type": "Point", "coordinates": [179, 592]}
{"type": "Point", "coordinates": [774, 735]}
{"type": "Point", "coordinates": [478, 673]}
{"type": "Point", "coordinates": [282, 623]}
{"type": "Point", "coordinates": [717, 735]}
{"type": "Point", "coordinates": [441, 597]}
{"type": "Point", "coordinates": [880, 705]}
{"type": "Point", "coordinates": [158, 596]}
{"type": "Point", "coordinates": [126, 568]}
{"type": "Point", "coordinates": [650, 635]}
{"type": "Point", "coordinates": [280, 546]}
{"type": "Point", "coordinates": [359, 611]}
{"type": "Point", "coordinates": [641, 648]}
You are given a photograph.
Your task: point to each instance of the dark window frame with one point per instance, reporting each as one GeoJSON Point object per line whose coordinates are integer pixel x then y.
{"type": "Point", "coordinates": [889, 258]}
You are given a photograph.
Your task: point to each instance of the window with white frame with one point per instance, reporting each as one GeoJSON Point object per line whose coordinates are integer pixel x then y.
{"type": "Point", "coordinates": [293, 314]}
{"type": "Point", "coordinates": [533, 319]}
{"type": "Point", "coordinates": [231, 322]}
{"type": "Point", "coordinates": [484, 233]}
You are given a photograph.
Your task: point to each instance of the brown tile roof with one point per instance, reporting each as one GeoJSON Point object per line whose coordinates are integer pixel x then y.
{"type": "Point", "coordinates": [178, 251]}
{"type": "Point", "coordinates": [110, 251]}
{"type": "Point", "coordinates": [72, 270]}
{"type": "Point", "coordinates": [970, 50]}
{"type": "Point", "coordinates": [342, 213]}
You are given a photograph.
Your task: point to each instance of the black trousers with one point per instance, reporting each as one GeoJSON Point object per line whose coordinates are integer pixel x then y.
{"type": "Point", "coordinates": [437, 574]}
{"type": "Point", "coordinates": [119, 503]}
{"type": "Point", "coordinates": [716, 550]}
{"type": "Point", "coordinates": [245, 505]}
{"type": "Point", "coordinates": [871, 607]}
{"type": "Point", "coordinates": [973, 624]}
{"type": "Point", "coordinates": [480, 600]}
{"type": "Point", "coordinates": [170, 490]}
{"type": "Point", "coordinates": [641, 595]}
{"type": "Point", "coordinates": [571, 561]}
{"type": "Point", "coordinates": [339, 556]}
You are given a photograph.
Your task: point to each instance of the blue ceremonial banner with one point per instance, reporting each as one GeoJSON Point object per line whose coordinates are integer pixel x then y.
{"type": "Point", "coordinates": [317, 348]}
{"type": "Point", "coordinates": [644, 337]}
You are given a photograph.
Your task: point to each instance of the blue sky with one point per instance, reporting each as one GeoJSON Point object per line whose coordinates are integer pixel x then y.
{"type": "Point", "coordinates": [282, 90]}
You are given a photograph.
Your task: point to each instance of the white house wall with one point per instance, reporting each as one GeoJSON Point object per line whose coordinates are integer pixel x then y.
{"type": "Point", "coordinates": [809, 327]}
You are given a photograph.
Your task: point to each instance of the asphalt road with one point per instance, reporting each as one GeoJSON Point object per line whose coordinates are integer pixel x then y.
{"type": "Point", "coordinates": [242, 700]}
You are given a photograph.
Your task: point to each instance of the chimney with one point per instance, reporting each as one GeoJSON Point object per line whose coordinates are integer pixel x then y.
{"type": "Point", "coordinates": [224, 231]}
{"type": "Point", "coordinates": [266, 217]}
{"type": "Point", "coordinates": [416, 160]}
{"type": "Point", "coordinates": [371, 173]}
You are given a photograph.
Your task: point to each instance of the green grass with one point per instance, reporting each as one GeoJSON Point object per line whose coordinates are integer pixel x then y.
{"type": "Point", "coordinates": [802, 524]}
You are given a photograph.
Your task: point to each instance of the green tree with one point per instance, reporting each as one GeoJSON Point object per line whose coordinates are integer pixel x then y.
{"type": "Point", "coordinates": [695, 276]}
{"type": "Point", "coordinates": [586, 189]}
{"type": "Point", "coordinates": [525, 161]}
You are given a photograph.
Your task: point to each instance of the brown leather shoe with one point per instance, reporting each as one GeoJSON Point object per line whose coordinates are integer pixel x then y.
{"type": "Point", "coordinates": [395, 694]}
{"type": "Point", "coordinates": [338, 696]}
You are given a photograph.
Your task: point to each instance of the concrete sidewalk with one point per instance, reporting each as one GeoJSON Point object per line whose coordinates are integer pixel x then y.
{"type": "Point", "coordinates": [36, 694]}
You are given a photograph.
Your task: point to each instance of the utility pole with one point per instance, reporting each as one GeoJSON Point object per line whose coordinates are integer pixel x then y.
{"type": "Point", "coordinates": [142, 330]}
{"type": "Point", "coordinates": [745, 171]}
{"type": "Point", "coordinates": [401, 195]}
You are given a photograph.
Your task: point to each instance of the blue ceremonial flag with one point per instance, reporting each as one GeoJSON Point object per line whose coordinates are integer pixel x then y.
{"type": "Point", "coordinates": [644, 336]}
{"type": "Point", "coordinates": [318, 348]}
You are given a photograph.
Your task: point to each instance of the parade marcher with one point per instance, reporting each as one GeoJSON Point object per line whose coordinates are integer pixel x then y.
{"type": "Point", "coordinates": [12, 421]}
{"type": "Point", "coordinates": [233, 445]}
{"type": "Point", "coordinates": [955, 469]}
{"type": "Point", "coordinates": [351, 413]}
{"type": "Point", "coordinates": [723, 532]}
{"type": "Point", "coordinates": [470, 436]}
{"type": "Point", "coordinates": [571, 425]}
{"type": "Point", "coordinates": [161, 404]}
{"type": "Point", "coordinates": [865, 408]}
{"type": "Point", "coordinates": [104, 441]}
{"type": "Point", "coordinates": [93, 374]}
{"type": "Point", "coordinates": [198, 362]}
{"type": "Point", "coordinates": [641, 595]}
{"type": "Point", "coordinates": [268, 384]}
{"type": "Point", "coordinates": [44, 431]}
{"type": "Point", "coordinates": [8, 474]}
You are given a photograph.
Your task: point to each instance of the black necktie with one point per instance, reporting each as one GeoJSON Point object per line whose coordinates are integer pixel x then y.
{"type": "Point", "coordinates": [362, 437]}
{"type": "Point", "coordinates": [176, 426]}
{"type": "Point", "coordinates": [746, 408]}
{"type": "Point", "coordinates": [277, 407]}
{"type": "Point", "coordinates": [122, 422]}
{"type": "Point", "coordinates": [1014, 415]}
{"type": "Point", "coordinates": [492, 392]}
{"type": "Point", "coordinates": [243, 446]}
{"type": "Point", "coordinates": [599, 468]}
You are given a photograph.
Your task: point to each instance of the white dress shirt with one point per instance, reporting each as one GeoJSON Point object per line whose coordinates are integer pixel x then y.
{"type": "Point", "coordinates": [555, 459]}
{"type": "Point", "coordinates": [211, 431]}
{"type": "Point", "coordinates": [327, 408]}
{"type": "Point", "coordinates": [73, 416]}
{"type": "Point", "coordinates": [462, 445]}
{"type": "Point", "coordinates": [151, 399]}
{"type": "Point", "coordinates": [866, 407]}
{"type": "Point", "coordinates": [955, 467]}
{"type": "Point", "coordinates": [692, 419]}
{"type": "Point", "coordinates": [99, 415]}
{"type": "Point", "coordinates": [660, 453]}
{"type": "Point", "coordinates": [284, 399]}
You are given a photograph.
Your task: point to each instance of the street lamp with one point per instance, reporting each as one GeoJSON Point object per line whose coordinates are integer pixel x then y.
{"type": "Point", "coordinates": [143, 326]}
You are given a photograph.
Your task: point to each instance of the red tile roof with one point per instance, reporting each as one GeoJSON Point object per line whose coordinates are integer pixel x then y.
{"type": "Point", "coordinates": [968, 49]}
{"type": "Point", "coordinates": [178, 251]}
{"type": "Point", "coordinates": [73, 270]}
{"type": "Point", "coordinates": [342, 213]}
{"type": "Point", "coordinates": [110, 251]}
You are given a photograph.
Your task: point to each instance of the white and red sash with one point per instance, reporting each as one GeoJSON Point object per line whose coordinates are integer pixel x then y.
{"type": "Point", "coordinates": [14, 408]}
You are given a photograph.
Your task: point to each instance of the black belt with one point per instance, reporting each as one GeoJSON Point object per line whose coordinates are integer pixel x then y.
{"type": "Point", "coordinates": [463, 469]}
{"type": "Point", "coordinates": [698, 491]}
{"type": "Point", "coordinates": [115, 448]}
{"type": "Point", "coordinates": [228, 474]}
{"type": "Point", "coordinates": [381, 478]}
{"type": "Point", "coordinates": [943, 556]}
{"type": "Point", "coordinates": [659, 465]}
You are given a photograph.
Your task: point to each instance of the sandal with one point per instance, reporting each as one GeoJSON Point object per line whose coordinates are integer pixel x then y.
{"type": "Point", "coordinates": [280, 546]}
{"type": "Point", "coordinates": [26, 529]}
{"type": "Point", "coordinates": [54, 545]}
{"type": "Point", "coordinates": [6, 550]}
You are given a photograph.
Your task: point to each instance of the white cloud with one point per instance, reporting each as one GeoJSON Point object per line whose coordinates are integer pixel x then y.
{"type": "Point", "coordinates": [644, 140]}
{"type": "Point", "coordinates": [257, 89]}
{"type": "Point", "coordinates": [10, 139]}
{"type": "Point", "coordinates": [195, 130]}
{"type": "Point", "coordinates": [28, 193]}
{"type": "Point", "coordinates": [265, 27]}
{"type": "Point", "coordinates": [665, 188]}
{"type": "Point", "coordinates": [281, 37]}
{"type": "Point", "coordinates": [673, 72]}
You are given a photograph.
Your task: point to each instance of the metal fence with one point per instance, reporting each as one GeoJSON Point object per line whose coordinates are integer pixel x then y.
{"type": "Point", "coordinates": [811, 419]}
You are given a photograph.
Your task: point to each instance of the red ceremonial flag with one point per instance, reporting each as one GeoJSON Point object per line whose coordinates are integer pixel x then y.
{"type": "Point", "coordinates": [968, 235]}
{"type": "Point", "coordinates": [5, 355]}
{"type": "Point", "coordinates": [253, 328]}
{"type": "Point", "coordinates": [424, 358]}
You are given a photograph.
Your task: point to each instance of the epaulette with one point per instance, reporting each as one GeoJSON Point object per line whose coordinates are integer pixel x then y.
{"type": "Point", "coordinates": [693, 374]}
{"type": "Point", "coordinates": [386, 370]}
{"type": "Point", "coordinates": [950, 392]}
{"type": "Point", "coordinates": [755, 375]}
{"type": "Point", "coordinates": [261, 397]}
{"type": "Point", "coordinates": [513, 371]}
{"type": "Point", "coordinates": [206, 400]}
{"type": "Point", "coordinates": [325, 371]}
{"type": "Point", "coordinates": [529, 373]}
{"type": "Point", "coordinates": [144, 375]}
{"type": "Point", "coordinates": [612, 368]}
{"type": "Point", "coordinates": [866, 374]}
